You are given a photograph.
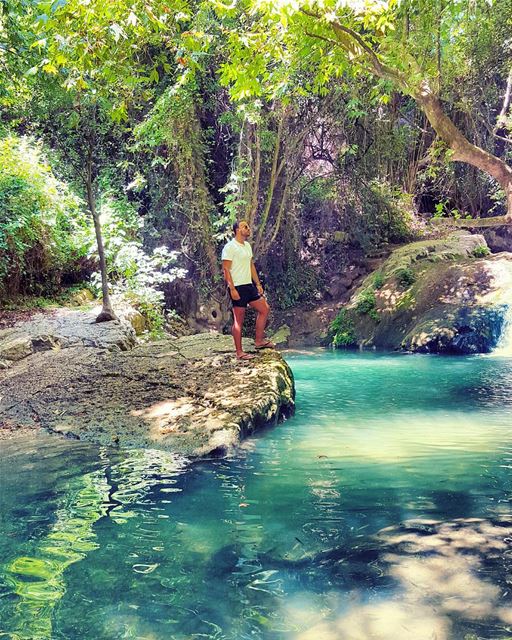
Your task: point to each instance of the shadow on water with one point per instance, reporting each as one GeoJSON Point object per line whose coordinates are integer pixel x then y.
{"type": "Point", "coordinates": [421, 579]}
{"type": "Point", "coordinates": [451, 579]}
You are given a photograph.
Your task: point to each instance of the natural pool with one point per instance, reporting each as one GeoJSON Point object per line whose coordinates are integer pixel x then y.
{"type": "Point", "coordinates": [381, 510]}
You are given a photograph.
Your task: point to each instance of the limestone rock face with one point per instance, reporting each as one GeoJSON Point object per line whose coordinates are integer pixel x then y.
{"type": "Point", "coordinates": [188, 395]}
{"type": "Point", "coordinates": [436, 296]}
{"type": "Point", "coordinates": [305, 327]}
{"type": "Point", "coordinates": [82, 297]}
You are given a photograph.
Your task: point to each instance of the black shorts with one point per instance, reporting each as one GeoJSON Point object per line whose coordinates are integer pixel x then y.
{"type": "Point", "coordinates": [248, 293]}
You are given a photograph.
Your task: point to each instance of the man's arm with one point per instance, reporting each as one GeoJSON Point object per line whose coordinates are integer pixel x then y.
{"type": "Point", "coordinates": [255, 278]}
{"type": "Point", "coordinates": [226, 268]}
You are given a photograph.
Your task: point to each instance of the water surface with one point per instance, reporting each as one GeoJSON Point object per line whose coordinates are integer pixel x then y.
{"type": "Point", "coordinates": [382, 509]}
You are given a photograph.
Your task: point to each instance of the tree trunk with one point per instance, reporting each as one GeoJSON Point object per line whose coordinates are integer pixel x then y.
{"type": "Point", "coordinates": [253, 144]}
{"type": "Point", "coordinates": [274, 174]}
{"type": "Point", "coordinates": [462, 149]}
{"type": "Point", "coordinates": [502, 118]}
{"type": "Point", "coordinates": [107, 312]}
{"type": "Point", "coordinates": [187, 155]}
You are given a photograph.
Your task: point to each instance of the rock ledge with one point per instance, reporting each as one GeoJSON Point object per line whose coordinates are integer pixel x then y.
{"type": "Point", "coordinates": [189, 395]}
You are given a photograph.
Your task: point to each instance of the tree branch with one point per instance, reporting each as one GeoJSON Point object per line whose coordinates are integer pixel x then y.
{"type": "Point", "coordinates": [356, 45]}
{"type": "Point", "coordinates": [319, 37]}
{"type": "Point", "coordinates": [507, 140]}
{"type": "Point", "coordinates": [283, 119]}
{"type": "Point", "coordinates": [381, 69]}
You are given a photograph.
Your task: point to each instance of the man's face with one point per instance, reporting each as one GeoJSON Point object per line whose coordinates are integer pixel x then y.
{"type": "Point", "coordinates": [245, 229]}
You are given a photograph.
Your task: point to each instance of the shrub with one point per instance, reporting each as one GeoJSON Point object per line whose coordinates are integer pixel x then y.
{"type": "Point", "coordinates": [378, 280]}
{"type": "Point", "coordinates": [138, 277]}
{"type": "Point", "coordinates": [341, 331]}
{"type": "Point", "coordinates": [43, 225]}
{"type": "Point", "coordinates": [366, 304]}
{"type": "Point", "coordinates": [405, 277]}
{"type": "Point", "coordinates": [481, 251]}
{"type": "Point", "coordinates": [290, 280]}
{"type": "Point", "coordinates": [383, 213]}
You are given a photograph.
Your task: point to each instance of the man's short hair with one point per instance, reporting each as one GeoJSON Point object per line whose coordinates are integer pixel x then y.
{"type": "Point", "coordinates": [235, 227]}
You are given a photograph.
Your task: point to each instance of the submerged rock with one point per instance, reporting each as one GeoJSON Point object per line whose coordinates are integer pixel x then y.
{"type": "Point", "coordinates": [435, 296]}
{"type": "Point", "coordinates": [188, 395]}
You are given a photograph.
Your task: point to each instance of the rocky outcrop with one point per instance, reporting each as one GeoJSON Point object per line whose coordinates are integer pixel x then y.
{"type": "Point", "coordinates": [304, 327]}
{"type": "Point", "coordinates": [210, 313]}
{"type": "Point", "coordinates": [307, 326]}
{"type": "Point", "coordinates": [60, 329]}
{"type": "Point", "coordinates": [435, 296]}
{"type": "Point", "coordinates": [188, 395]}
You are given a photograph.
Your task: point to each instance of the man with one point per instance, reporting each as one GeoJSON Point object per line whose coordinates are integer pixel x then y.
{"type": "Point", "coordinates": [244, 288]}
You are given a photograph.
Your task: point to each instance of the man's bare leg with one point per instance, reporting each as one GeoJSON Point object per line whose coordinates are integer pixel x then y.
{"type": "Point", "coordinates": [262, 309]}
{"type": "Point", "coordinates": [236, 332]}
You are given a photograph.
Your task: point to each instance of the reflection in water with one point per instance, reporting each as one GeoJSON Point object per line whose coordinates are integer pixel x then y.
{"type": "Point", "coordinates": [381, 510]}
{"type": "Point", "coordinates": [37, 579]}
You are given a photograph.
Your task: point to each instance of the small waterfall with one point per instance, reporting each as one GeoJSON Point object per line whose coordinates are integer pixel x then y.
{"type": "Point", "coordinates": [504, 346]}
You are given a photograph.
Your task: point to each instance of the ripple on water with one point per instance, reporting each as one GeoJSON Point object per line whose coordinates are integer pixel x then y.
{"type": "Point", "coordinates": [384, 502]}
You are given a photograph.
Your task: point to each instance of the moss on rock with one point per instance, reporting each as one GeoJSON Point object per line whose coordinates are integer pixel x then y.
{"type": "Point", "coordinates": [435, 296]}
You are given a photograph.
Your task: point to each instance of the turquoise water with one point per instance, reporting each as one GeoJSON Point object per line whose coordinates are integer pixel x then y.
{"type": "Point", "coordinates": [382, 509]}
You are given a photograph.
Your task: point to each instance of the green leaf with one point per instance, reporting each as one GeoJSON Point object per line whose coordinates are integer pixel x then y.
{"type": "Point", "coordinates": [39, 44]}
{"type": "Point", "coordinates": [50, 68]}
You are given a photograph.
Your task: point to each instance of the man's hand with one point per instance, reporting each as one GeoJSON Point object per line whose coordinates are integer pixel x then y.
{"type": "Point", "coordinates": [234, 294]}
{"type": "Point", "coordinates": [260, 288]}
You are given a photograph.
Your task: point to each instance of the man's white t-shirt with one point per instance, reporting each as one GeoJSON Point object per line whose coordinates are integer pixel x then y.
{"type": "Point", "coordinates": [240, 256]}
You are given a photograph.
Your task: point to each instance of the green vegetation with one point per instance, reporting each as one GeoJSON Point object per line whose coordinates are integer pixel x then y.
{"type": "Point", "coordinates": [405, 277]}
{"type": "Point", "coordinates": [481, 251]}
{"type": "Point", "coordinates": [136, 274]}
{"type": "Point", "coordinates": [139, 278]}
{"type": "Point", "coordinates": [65, 296]}
{"type": "Point", "coordinates": [395, 47]}
{"type": "Point", "coordinates": [378, 280]}
{"type": "Point", "coordinates": [407, 301]}
{"type": "Point", "coordinates": [332, 128]}
{"type": "Point", "coordinates": [43, 229]}
{"type": "Point", "coordinates": [291, 283]}
{"type": "Point", "coordinates": [366, 303]}
{"type": "Point", "coordinates": [341, 331]}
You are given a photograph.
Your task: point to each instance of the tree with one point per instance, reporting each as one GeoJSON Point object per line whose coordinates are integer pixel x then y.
{"type": "Point", "coordinates": [269, 161]}
{"type": "Point", "coordinates": [100, 54]}
{"type": "Point", "coordinates": [296, 46]}
{"type": "Point", "coordinates": [173, 129]}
